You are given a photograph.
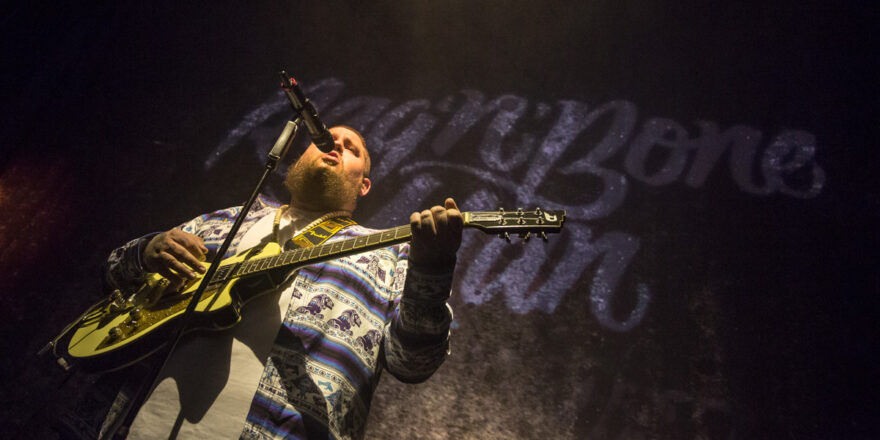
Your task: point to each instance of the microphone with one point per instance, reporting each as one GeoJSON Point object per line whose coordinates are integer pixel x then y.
{"type": "Point", "coordinates": [302, 105]}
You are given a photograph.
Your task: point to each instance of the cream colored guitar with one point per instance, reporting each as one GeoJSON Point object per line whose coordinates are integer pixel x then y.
{"type": "Point", "coordinates": [125, 328]}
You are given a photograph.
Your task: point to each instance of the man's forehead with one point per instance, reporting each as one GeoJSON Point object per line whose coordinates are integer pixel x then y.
{"type": "Point", "coordinates": [345, 130]}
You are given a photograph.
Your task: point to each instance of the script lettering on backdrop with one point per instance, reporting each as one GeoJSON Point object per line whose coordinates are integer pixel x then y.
{"type": "Point", "coordinates": [415, 138]}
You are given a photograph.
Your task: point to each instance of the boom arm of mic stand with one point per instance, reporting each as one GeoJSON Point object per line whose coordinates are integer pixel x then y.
{"type": "Point", "coordinates": [275, 156]}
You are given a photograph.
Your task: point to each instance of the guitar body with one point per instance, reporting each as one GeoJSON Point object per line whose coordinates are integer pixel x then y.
{"type": "Point", "coordinates": [122, 332]}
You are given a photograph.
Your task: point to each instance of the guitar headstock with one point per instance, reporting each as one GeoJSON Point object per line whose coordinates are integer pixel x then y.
{"type": "Point", "coordinates": [525, 223]}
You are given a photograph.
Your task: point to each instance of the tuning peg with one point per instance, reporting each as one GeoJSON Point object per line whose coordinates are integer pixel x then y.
{"type": "Point", "coordinates": [505, 236]}
{"type": "Point", "coordinates": [543, 236]}
{"type": "Point", "coordinates": [525, 235]}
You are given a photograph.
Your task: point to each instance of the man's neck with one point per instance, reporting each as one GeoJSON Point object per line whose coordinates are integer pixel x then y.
{"type": "Point", "coordinates": [301, 210]}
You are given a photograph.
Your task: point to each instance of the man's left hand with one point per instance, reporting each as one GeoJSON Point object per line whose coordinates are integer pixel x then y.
{"type": "Point", "coordinates": [436, 237]}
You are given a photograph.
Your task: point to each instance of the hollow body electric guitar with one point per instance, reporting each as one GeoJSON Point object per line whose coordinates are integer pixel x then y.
{"type": "Point", "coordinates": [125, 328]}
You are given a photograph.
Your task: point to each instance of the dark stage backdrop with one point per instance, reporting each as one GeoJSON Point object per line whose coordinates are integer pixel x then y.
{"type": "Point", "coordinates": [714, 278]}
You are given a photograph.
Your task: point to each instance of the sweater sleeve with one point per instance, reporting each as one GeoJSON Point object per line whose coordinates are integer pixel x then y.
{"type": "Point", "coordinates": [124, 269]}
{"type": "Point", "coordinates": [416, 338]}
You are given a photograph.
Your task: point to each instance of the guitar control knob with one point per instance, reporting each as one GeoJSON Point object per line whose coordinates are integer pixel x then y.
{"type": "Point", "coordinates": [115, 333]}
{"type": "Point", "coordinates": [136, 314]}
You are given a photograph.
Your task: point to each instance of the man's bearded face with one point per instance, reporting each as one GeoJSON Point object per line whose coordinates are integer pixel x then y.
{"type": "Point", "coordinates": [329, 181]}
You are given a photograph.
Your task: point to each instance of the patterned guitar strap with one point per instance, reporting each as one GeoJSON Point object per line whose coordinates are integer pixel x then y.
{"type": "Point", "coordinates": [316, 232]}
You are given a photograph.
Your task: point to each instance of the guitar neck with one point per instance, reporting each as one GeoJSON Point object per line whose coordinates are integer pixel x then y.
{"type": "Point", "coordinates": [501, 222]}
{"type": "Point", "coordinates": [323, 252]}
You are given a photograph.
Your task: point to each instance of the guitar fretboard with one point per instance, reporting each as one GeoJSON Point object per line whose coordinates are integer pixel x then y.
{"type": "Point", "coordinates": [502, 222]}
{"type": "Point", "coordinates": [314, 254]}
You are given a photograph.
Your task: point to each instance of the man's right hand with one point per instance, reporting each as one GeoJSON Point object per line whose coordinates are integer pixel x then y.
{"type": "Point", "coordinates": [175, 254]}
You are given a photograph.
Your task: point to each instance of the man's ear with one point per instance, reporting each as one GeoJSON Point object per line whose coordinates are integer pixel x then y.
{"type": "Point", "coordinates": [365, 186]}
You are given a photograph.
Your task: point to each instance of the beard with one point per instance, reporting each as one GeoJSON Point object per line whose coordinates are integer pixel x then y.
{"type": "Point", "coordinates": [320, 187]}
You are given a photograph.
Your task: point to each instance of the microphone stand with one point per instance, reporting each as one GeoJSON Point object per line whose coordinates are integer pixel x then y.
{"type": "Point", "coordinates": [127, 415]}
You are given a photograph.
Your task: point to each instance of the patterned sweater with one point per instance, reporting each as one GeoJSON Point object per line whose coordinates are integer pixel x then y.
{"type": "Point", "coordinates": [348, 319]}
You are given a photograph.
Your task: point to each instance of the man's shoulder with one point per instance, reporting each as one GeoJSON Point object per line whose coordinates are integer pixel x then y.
{"type": "Point", "coordinates": [216, 223]}
{"type": "Point", "coordinates": [262, 205]}
{"type": "Point", "coordinates": [265, 202]}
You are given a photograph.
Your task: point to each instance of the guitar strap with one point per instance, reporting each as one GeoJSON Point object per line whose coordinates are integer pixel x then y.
{"type": "Point", "coordinates": [321, 232]}
{"type": "Point", "coordinates": [317, 232]}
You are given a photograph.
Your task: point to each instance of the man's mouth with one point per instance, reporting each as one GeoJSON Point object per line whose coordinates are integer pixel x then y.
{"type": "Point", "coordinates": [331, 157]}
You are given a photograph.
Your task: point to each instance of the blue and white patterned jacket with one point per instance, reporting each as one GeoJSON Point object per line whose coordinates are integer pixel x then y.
{"type": "Point", "coordinates": [349, 319]}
